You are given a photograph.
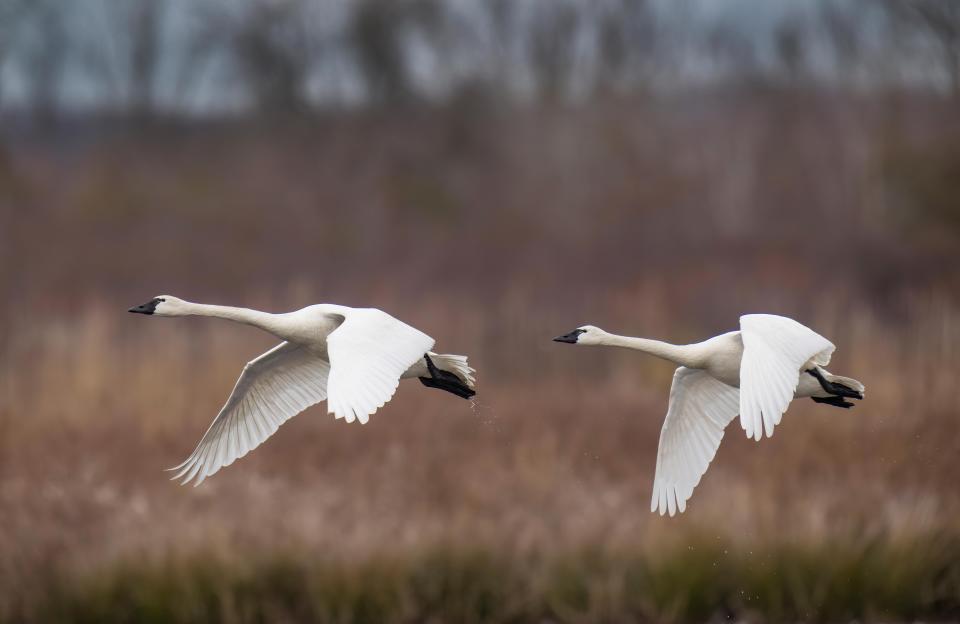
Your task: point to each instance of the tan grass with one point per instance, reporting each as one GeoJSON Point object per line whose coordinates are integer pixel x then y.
{"type": "Point", "coordinates": [97, 404]}
{"type": "Point", "coordinates": [493, 233]}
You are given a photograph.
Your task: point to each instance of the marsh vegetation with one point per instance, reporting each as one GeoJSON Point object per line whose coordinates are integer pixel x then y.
{"type": "Point", "coordinates": [495, 223]}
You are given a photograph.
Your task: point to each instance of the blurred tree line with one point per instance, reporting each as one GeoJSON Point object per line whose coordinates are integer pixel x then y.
{"type": "Point", "coordinates": [783, 113]}
{"type": "Point", "coordinates": [181, 57]}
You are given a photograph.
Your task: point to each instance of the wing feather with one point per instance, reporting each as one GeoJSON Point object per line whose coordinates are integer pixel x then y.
{"type": "Point", "coordinates": [700, 408]}
{"type": "Point", "coordinates": [776, 349]}
{"type": "Point", "coordinates": [369, 352]}
{"type": "Point", "coordinates": [272, 388]}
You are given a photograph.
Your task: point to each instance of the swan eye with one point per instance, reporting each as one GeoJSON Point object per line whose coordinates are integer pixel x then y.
{"type": "Point", "coordinates": [160, 299]}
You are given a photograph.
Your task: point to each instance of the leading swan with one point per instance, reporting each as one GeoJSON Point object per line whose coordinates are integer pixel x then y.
{"type": "Point", "coordinates": [352, 357]}
{"type": "Point", "coordinates": [754, 372]}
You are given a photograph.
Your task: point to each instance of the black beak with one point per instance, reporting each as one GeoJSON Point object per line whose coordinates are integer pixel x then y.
{"type": "Point", "coordinates": [145, 308]}
{"type": "Point", "coordinates": [570, 338]}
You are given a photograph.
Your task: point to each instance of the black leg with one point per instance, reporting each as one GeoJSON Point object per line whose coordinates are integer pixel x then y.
{"type": "Point", "coordinates": [834, 401]}
{"type": "Point", "coordinates": [431, 367]}
{"type": "Point", "coordinates": [836, 389]}
{"type": "Point", "coordinates": [443, 380]}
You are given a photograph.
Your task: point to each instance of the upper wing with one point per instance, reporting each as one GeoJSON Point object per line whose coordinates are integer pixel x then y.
{"type": "Point", "coordinates": [775, 349]}
{"type": "Point", "coordinates": [272, 388]}
{"type": "Point", "coordinates": [700, 409]}
{"type": "Point", "coordinates": [368, 353]}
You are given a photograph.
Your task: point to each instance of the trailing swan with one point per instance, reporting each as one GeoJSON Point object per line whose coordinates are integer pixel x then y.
{"type": "Point", "coordinates": [754, 372]}
{"type": "Point", "coordinates": [354, 358]}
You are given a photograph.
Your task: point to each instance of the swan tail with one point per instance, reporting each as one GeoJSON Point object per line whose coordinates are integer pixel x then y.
{"type": "Point", "coordinates": [837, 388]}
{"type": "Point", "coordinates": [456, 364]}
{"type": "Point", "coordinates": [847, 382]}
{"type": "Point", "coordinates": [450, 373]}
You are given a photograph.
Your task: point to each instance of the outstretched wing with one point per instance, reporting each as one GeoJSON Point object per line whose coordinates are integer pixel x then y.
{"type": "Point", "coordinates": [700, 408]}
{"type": "Point", "coordinates": [368, 353]}
{"type": "Point", "coordinates": [272, 388]}
{"type": "Point", "coordinates": [775, 349]}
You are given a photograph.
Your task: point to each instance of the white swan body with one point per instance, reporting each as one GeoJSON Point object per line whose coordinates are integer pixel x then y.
{"type": "Point", "coordinates": [754, 372]}
{"type": "Point", "coordinates": [354, 358]}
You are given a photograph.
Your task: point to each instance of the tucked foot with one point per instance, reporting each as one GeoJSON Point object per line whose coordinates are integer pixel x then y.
{"type": "Point", "coordinates": [834, 388]}
{"type": "Point", "coordinates": [444, 380]}
{"type": "Point", "coordinates": [835, 401]}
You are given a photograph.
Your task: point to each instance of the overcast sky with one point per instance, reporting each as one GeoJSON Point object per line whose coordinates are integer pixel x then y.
{"type": "Point", "coordinates": [96, 73]}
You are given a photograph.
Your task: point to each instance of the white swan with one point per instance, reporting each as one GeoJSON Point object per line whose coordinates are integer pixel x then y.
{"type": "Point", "coordinates": [754, 372]}
{"type": "Point", "coordinates": [352, 357]}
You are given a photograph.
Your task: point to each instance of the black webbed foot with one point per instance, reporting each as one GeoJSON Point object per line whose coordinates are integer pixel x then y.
{"type": "Point", "coordinates": [834, 388]}
{"type": "Point", "coordinates": [835, 401]}
{"type": "Point", "coordinates": [444, 380]}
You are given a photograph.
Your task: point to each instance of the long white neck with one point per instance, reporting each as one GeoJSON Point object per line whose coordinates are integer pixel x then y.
{"type": "Point", "coordinates": [684, 355]}
{"type": "Point", "coordinates": [273, 323]}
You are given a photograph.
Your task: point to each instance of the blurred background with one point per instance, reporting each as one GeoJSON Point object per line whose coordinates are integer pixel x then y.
{"type": "Point", "coordinates": [495, 173]}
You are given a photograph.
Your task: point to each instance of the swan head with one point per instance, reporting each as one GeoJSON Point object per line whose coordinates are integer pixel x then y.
{"type": "Point", "coordinates": [585, 335]}
{"type": "Point", "coordinates": [161, 305]}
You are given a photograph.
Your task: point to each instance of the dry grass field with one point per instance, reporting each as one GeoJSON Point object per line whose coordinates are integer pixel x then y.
{"type": "Point", "coordinates": [532, 502]}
